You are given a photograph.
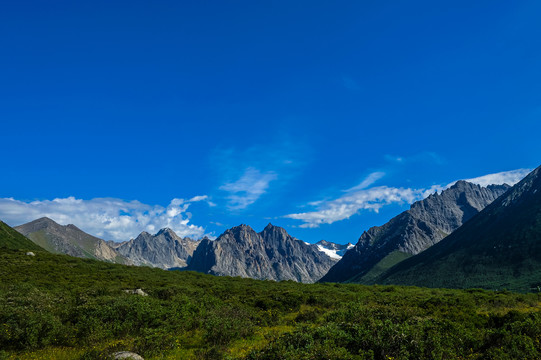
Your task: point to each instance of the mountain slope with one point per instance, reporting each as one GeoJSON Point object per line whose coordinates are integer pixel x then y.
{"type": "Point", "coordinates": [164, 249]}
{"type": "Point", "coordinates": [11, 239]}
{"type": "Point", "coordinates": [68, 240]}
{"type": "Point", "coordinates": [426, 223]}
{"type": "Point", "coordinates": [498, 248]}
{"type": "Point", "coordinates": [271, 254]}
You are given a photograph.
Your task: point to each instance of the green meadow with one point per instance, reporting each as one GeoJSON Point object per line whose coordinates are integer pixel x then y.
{"type": "Point", "coordinates": [60, 307]}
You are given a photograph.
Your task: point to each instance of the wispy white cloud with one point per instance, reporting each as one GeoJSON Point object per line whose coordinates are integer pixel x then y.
{"type": "Point", "coordinates": [348, 205]}
{"type": "Point", "coordinates": [505, 177]}
{"type": "Point", "coordinates": [361, 197]}
{"type": "Point", "coordinates": [248, 188]}
{"type": "Point", "coordinates": [107, 218]}
{"type": "Point", "coordinates": [357, 198]}
{"type": "Point", "coordinates": [369, 180]}
{"type": "Point", "coordinates": [245, 174]}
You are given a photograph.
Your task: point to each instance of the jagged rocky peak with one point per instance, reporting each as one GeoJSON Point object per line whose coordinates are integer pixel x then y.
{"type": "Point", "coordinates": [165, 249]}
{"type": "Point", "coordinates": [271, 227]}
{"type": "Point", "coordinates": [271, 254]}
{"type": "Point", "coordinates": [325, 243]}
{"type": "Point", "coordinates": [426, 223]}
{"type": "Point", "coordinates": [166, 230]}
{"type": "Point", "coordinates": [168, 233]}
{"type": "Point", "coordinates": [38, 224]}
{"type": "Point", "coordinates": [240, 233]}
{"type": "Point", "coordinates": [272, 232]}
{"type": "Point", "coordinates": [498, 248]}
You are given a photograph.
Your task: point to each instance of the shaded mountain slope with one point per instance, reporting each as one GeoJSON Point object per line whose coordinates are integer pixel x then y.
{"type": "Point", "coordinates": [426, 223]}
{"type": "Point", "coordinates": [498, 248]}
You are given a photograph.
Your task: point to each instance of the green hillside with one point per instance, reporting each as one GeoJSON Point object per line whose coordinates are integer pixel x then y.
{"type": "Point", "coordinates": [62, 307]}
{"type": "Point", "coordinates": [381, 267]}
{"type": "Point", "coordinates": [11, 239]}
{"type": "Point", "coordinates": [500, 248]}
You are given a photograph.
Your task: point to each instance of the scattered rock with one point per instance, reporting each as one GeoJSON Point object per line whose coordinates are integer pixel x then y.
{"type": "Point", "coordinates": [127, 355]}
{"type": "Point", "coordinates": [136, 292]}
{"type": "Point", "coordinates": [30, 253]}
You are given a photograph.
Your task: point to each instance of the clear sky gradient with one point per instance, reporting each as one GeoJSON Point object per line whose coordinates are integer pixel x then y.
{"type": "Point", "coordinates": [323, 117]}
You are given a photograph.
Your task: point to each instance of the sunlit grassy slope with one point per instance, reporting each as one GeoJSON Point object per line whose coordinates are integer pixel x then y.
{"type": "Point", "coordinates": [11, 239]}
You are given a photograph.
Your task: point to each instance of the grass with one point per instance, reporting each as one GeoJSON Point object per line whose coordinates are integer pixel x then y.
{"type": "Point", "coordinates": [383, 265]}
{"type": "Point", "coordinates": [60, 307]}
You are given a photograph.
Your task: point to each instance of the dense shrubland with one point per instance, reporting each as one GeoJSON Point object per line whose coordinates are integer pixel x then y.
{"type": "Point", "coordinates": [59, 307]}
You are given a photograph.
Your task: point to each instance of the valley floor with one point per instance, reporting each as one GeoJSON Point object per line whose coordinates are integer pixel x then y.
{"type": "Point", "coordinates": [60, 307]}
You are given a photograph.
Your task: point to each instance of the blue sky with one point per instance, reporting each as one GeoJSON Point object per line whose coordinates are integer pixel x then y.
{"type": "Point", "coordinates": [322, 117]}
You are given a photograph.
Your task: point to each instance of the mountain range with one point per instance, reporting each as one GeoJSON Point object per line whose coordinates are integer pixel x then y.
{"type": "Point", "coordinates": [464, 236]}
{"type": "Point", "coordinates": [426, 223]}
{"type": "Point", "coordinates": [499, 248]}
{"type": "Point", "coordinates": [270, 254]}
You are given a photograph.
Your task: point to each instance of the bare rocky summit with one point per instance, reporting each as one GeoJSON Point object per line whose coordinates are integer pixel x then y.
{"type": "Point", "coordinates": [271, 254]}
{"type": "Point", "coordinates": [68, 239]}
{"type": "Point", "coordinates": [165, 249]}
{"type": "Point", "coordinates": [426, 223]}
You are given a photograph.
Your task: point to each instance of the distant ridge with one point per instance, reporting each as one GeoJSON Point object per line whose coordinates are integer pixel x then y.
{"type": "Point", "coordinates": [271, 254]}
{"type": "Point", "coordinates": [165, 249]}
{"type": "Point", "coordinates": [334, 250]}
{"type": "Point", "coordinates": [68, 239]}
{"type": "Point", "coordinates": [426, 223]}
{"type": "Point", "coordinates": [499, 248]}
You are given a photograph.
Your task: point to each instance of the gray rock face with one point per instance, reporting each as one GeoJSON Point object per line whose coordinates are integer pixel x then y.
{"type": "Point", "coordinates": [69, 240]}
{"type": "Point", "coordinates": [164, 249]}
{"type": "Point", "coordinates": [271, 254]}
{"type": "Point", "coordinates": [426, 223]}
{"type": "Point", "coordinates": [500, 248]}
{"type": "Point", "coordinates": [114, 244]}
